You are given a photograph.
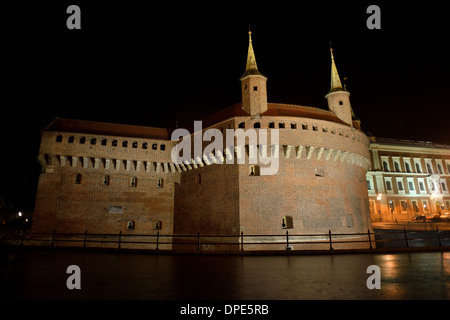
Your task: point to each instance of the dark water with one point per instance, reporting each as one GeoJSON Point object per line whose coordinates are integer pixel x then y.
{"type": "Point", "coordinates": [42, 275]}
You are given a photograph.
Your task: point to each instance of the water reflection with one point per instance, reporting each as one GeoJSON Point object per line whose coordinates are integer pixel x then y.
{"type": "Point", "coordinates": [41, 275]}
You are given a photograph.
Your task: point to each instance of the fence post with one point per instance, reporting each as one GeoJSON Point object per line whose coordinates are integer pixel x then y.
{"type": "Point", "coordinates": [329, 235]}
{"type": "Point", "coordinates": [406, 238]}
{"type": "Point", "coordinates": [120, 237]}
{"type": "Point", "coordinates": [198, 242]}
{"type": "Point", "coordinates": [287, 240]}
{"type": "Point", "coordinates": [157, 240]}
{"type": "Point", "coordinates": [370, 240]}
{"type": "Point", "coordinates": [439, 238]}
{"type": "Point", "coordinates": [242, 240]}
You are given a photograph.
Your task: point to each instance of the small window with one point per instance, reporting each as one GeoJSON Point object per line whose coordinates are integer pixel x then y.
{"type": "Point", "coordinates": [104, 141]}
{"type": "Point", "coordinates": [124, 144]}
{"type": "Point", "coordinates": [421, 186]}
{"type": "Point", "coordinates": [241, 125]}
{"type": "Point", "coordinates": [397, 166]}
{"type": "Point", "coordinates": [253, 170]}
{"type": "Point", "coordinates": [324, 129]}
{"type": "Point", "coordinates": [59, 138]}
{"type": "Point", "coordinates": [304, 126]}
{"type": "Point", "coordinates": [78, 178]}
{"type": "Point", "coordinates": [82, 140]}
{"type": "Point", "coordinates": [114, 143]}
{"type": "Point", "coordinates": [144, 145]}
{"type": "Point", "coordinates": [319, 171]}
{"type": "Point", "coordinates": [388, 185]}
{"type": "Point", "coordinates": [115, 209]}
{"type": "Point", "coordinates": [71, 138]}
{"type": "Point", "coordinates": [408, 167]}
{"type": "Point", "coordinates": [93, 141]}
{"type": "Point", "coordinates": [281, 125]}
{"type": "Point", "coordinates": [418, 168]}
{"type": "Point", "coordinates": [133, 182]}
{"type": "Point", "coordinates": [287, 222]}
{"type": "Point", "coordinates": [155, 146]}
{"type": "Point", "coordinates": [440, 169]}
{"type": "Point", "coordinates": [293, 126]}
{"type": "Point", "coordinates": [160, 182]}
{"type": "Point", "coordinates": [134, 145]}
{"type": "Point", "coordinates": [430, 170]}
{"type": "Point", "coordinates": [130, 225]}
{"type": "Point", "coordinates": [369, 185]}
{"type": "Point", "coordinates": [341, 103]}
{"type": "Point", "coordinates": [315, 128]}
{"type": "Point", "coordinates": [400, 185]}
{"type": "Point", "coordinates": [157, 225]}
{"type": "Point", "coordinates": [444, 186]}
{"type": "Point", "coordinates": [106, 180]}
{"type": "Point", "coordinates": [411, 185]}
{"type": "Point", "coordinates": [385, 166]}
{"type": "Point", "coordinates": [255, 88]}
{"type": "Point", "coordinates": [272, 125]}
{"type": "Point", "coordinates": [257, 125]}
{"type": "Point", "coordinates": [162, 147]}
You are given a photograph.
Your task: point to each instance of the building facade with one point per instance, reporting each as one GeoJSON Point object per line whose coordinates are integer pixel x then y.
{"type": "Point", "coordinates": [407, 179]}
{"type": "Point", "coordinates": [112, 177]}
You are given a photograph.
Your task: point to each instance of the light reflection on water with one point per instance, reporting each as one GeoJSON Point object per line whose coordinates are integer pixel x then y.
{"type": "Point", "coordinates": [42, 275]}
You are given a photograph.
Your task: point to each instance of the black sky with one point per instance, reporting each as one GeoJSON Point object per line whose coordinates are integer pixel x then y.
{"type": "Point", "coordinates": [152, 64]}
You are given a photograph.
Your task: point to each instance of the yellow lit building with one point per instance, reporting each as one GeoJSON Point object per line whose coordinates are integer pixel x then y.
{"type": "Point", "coordinates": [407, 179]}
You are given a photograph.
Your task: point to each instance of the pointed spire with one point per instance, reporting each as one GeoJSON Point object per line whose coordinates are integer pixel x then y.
{"type": "Point", "coordinates": [336, 84]}
{"type": "Point", "coordinates": [251, 67]}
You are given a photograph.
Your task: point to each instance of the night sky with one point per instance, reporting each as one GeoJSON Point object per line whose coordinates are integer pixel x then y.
{"type": "Point", "coordinates": [154, 64]}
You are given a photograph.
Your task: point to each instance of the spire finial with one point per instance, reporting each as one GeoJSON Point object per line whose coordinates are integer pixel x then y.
{"type": "Point", "coordinates": [336, 84]}
{"type": "Point", "coordinates": [251, 67]}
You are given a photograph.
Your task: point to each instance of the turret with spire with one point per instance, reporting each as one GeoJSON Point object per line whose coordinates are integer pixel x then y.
{"type": "Point", "coordinates": [253, 84]}
{"type": "Point", "coordinates": [338, 98]}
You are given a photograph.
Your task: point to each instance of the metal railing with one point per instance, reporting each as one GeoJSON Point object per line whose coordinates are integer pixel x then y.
{"type": "Point", "coordinates": [239, 242]}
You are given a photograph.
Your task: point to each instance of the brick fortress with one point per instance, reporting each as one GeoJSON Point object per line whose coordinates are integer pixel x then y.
{"type": "Point", "coordinates": [106, 178]}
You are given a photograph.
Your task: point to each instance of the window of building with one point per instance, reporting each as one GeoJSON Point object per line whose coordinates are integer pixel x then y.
{"type": "Point", "coordinates": [432, 186]}
{"type": "Point", "coordinates": [106, 180]}
{"type": "Point", "coordinates": [293, 126]}
{"type": "Point", "coordinates": [257, 125]}
{"type": "Point", "coordinates": [324, 129]}
{"type": "Point", "coordinates": [397, 166]}
{"type": "Point", "coordinates": [385, 166]}
{"type": "Point", "coordinates": [93, 141]}
{"type": "Point", "coordinates": [407, 167]}
{"type": "Point", "coordinates": [59, 138]}
{"type": "Point", "coordinates": [104, 141]}
{"type": "Point", "coordinates": [253, 170]}
{"type": "Point", "coordinates": [341, 103]}
{"type": "Point", "coordinates": [132, 182]}
{"type": "Point", "coordinates": [144, 145]}
{"type": "Point", "coordinates": [281, 125]}
{"type": "Point", "coordinates": [115, 209]}
{"type": "Point", "coordinates": [304, 126]}
{"type": "Point", "coordinates": [411, 186]}
{"type": "Point", "coordinates": [271, 125]}
{"type": "Point", "coordinates": [421, 186]}
{"type": "Point", "coordinates": [78, 178]}
{"type": "Point", "coordinates": [134, 144]}
{"type": "Point", "coordinates": [388, 185]}
{"type": "Point", "coordinates": [82, 140]}
{"type": "Point", "coordinates": [255, 88]}
{"type": "Point", "coordinates": [162, 147]}
{"type": "Point", "coordinates": [287, 222]}
{"type": "Point", "coordinates": [124, 144]}
{"type": "Point", "coordinates": [418, 168]}
{"type": "Point", "coordinates": [154, 146]}
{"type": "Point", "coordinates": [448, 168]}
{"type": "Point", "coordinates": [439, 167]}
{"type": "Point", "coordinates": [425, 206]}
{"type": "Point", "coordinates": [369, 185]}
{"type": "Point", "coordinates": [157, 225]}
{"type": "Point", "coordinates": [315, 128]}
{"type": "Point", "coordinates": [444, 186]}
{"type": "Point", "coordinates": [70, 140]}
{"type": "Point", "coordinates": [400, 186]}
{"type": "Point", "coordinates": [160, 182]}
{"type": "Point", "coordinates": [241, 125]}
{"type": "Point", "coordinates": [404, 205]}
{"type": "Point", "coordinates": [114, 143]}
{"type": "Point", "coordinates": [319, 171]}
{"type": "Point", "coordinates": [430, 170]}
{"type": "Point", "coordinates": [414, 205]}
